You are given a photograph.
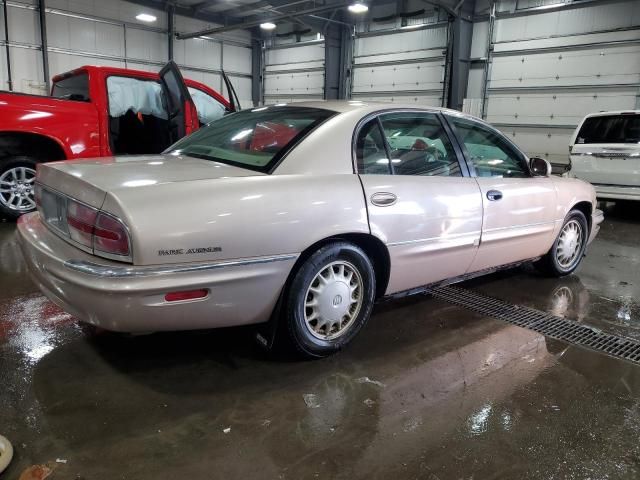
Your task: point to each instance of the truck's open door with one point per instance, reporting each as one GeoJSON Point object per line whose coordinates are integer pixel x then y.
{"type": "Point", "coordinates": [233, 97]}
{"type": "Point", "coordinates": [183, 117]}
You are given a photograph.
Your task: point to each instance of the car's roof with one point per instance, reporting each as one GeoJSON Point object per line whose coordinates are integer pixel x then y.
{"type": "Point", "coordinates": [342, 106]}
{"type": "Point", "coordinates": [613, 112]}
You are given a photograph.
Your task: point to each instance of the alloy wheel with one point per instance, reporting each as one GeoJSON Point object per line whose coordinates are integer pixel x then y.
{"type": "Point", "coordinates": [16, 189]}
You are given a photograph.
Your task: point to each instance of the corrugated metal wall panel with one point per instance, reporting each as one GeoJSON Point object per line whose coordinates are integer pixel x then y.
{"type": "Point", "coordinates": [105, 32]}
{"type": "Point", "coordinates": [294, 73]}
{"type": "Point", "coordinates": [405, 66]}
{"type": "Point", "coordinates": [550, 68]}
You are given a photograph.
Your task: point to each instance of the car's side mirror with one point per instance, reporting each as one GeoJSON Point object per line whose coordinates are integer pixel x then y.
{"type": "Point", "coordinates": [540, 167]}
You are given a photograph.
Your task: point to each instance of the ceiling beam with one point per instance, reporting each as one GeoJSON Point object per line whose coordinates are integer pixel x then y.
{"type": "Point", "coordinates": [268, 18]}
{"type": "Point", "coordinates": [162, 5]}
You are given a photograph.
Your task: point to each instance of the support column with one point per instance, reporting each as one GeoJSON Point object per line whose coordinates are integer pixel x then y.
{"type": "Point", "coordinates": [461, 54]}
{"type": "Point", "coordinates": [43, 39]}
{"type": "Point", "coordinates": [256, 72]}
{"type": "Point", "coordinates": [171, 10]}
{"type": "Point", "coordinates": [337, 60]}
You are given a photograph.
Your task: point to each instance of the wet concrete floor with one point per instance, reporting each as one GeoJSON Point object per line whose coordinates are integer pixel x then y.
{"type": "Point", "coordinates": [427, 390]}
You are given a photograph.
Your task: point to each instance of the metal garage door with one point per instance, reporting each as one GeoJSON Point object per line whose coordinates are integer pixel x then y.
{"type": "Point", "coordinates": [540, 88]}
{"type": "Point", "coordinates": [294, 73]}
{"type": "Point", "coordinates": [384, 69]}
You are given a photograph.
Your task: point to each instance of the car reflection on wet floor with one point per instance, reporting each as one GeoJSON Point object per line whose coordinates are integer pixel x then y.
{"type": "Point", "coordinates": [428, 390]}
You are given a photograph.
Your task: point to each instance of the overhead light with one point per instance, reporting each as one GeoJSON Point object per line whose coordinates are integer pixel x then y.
{"type": "Point", "coordinates": [267, 26]}
{"type": "Point", "coordinates": [358, 7]}
{"type": "Point", "coordinates": [146, 17]}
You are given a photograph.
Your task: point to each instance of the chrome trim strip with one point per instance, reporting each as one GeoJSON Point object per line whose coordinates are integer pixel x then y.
{"type": "Point", "coordinates": [473, 237]}
{"type": "Point", "coordinates": [113, 271]}
{"type": "Point", "coordinates": [518, 227]}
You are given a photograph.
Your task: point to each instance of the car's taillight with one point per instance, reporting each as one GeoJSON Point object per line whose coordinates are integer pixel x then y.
{"type": "Point", "coordinates": [87, 227]}
{"type": "Point", "coordinates": [80, 222]}
{"type": "Point", "coordinates": [110, 236]}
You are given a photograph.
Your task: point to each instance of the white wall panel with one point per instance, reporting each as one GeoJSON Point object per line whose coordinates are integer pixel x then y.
{"type": "Point", "coordinates": [236, 59]}
{"type": "Point", "coordinates": [562, 108]}
{"type": "Point", "coordinates": [422, 100]}
{"type": "Point", "coordinates": [592, 66]}
{"type": "Point", "coordinates": [551, 67]}
{"type": "Point", "coordinates": [549, 143]}
{"type": "Point", "coordinates": [397, 78]}
{"type": "Point", "coordinates": [146, 45]}
{"type": "Point", "coordinates": [26, 70]}
{"type": "Point", "coordinates": [24, 26]}
{"type": "Point", "coordinates": [407, 66]}
{"type": "Point", "coordinates": [295, 72]}
{"type": "Point", "coordinates": [92, 32]}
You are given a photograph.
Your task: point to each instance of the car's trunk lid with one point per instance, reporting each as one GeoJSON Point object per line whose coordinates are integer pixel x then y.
{"type": "Point", "coordinates": [89, 180]}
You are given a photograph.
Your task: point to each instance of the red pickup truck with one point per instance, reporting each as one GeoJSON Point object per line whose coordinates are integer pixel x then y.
{"type": "Point", "coordinates": [97, 112]}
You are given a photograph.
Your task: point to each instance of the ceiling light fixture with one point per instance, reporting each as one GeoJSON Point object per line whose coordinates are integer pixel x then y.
{"type": "Point", "coordinates": [267, 26]}
{"type": "Point", "coordinates": [146, 17]}
{"type": "Point", "coordinates": [358, 7]}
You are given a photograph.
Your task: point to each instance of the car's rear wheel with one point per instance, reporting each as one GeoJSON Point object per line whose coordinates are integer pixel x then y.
{"type": "Point", "coordinates": [329, 299]}
{"type": "Point", "coordinates": [568, 249]}
{"type": "Point", "coordinates": [17, 181]}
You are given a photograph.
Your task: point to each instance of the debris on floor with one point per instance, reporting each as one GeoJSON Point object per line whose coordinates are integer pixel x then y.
{"type": "Point", "coordinates": [227, 430]}
{"type": "Point", "coordinates": [311, 399]}
{"type": "Point", "coordinates": [36, 472]}
{"type": "Point", "coordinates": [61, 460]}
{"type": "Point", "coordinates": [368, 380]}
{"type": "Point", "coordinates": [368, 402]}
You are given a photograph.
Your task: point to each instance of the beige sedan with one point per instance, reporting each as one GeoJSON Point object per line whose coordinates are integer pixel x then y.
{"type": "Point", "coordinates": [300, 215]}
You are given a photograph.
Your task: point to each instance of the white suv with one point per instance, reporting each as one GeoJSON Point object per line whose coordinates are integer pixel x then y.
{"type": "Point", "coordinates": [605, 151]}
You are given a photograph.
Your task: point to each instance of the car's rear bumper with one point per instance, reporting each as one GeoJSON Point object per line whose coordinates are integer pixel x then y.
{"type": "Point", "coordinates": [617, 192]}
{"type": "Point", "coordinates": [128, 298]}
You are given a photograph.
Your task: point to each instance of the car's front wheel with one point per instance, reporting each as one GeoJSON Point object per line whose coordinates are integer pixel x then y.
{"type": "Point", "coordinates": [568, 249]}
{"type": "Point", "coordinates": [329, 299]}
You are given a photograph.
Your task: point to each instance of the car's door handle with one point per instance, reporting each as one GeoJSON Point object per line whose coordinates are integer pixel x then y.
{"type": "Point", "coordinates": [494, 195]}
{"type": "Point", "coordinates": [383, 199]}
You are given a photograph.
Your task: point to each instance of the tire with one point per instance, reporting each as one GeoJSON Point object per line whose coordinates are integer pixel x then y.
{"type": "Point", "coordinates": [565, 254]}
{"type": "Point", "coordinates": [318, 320]}
{"type": "Point", "coordinates": [17, 177]}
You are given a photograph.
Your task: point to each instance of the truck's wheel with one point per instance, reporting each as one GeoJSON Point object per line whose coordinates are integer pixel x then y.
{"type": "Point", "coordinates": [329, 300]}
{"type": "Point", "coordinates": [17, 178]}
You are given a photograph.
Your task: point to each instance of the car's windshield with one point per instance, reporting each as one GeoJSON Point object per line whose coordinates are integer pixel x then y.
{"type": "Point", "coordinates": [254, 139]}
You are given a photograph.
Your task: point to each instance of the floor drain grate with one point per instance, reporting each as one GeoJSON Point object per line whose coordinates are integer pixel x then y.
{"type": "Point", "coordinates": [541, 322]}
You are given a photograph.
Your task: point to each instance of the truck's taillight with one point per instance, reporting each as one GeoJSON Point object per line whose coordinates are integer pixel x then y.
{"type": "Point", "coordinates": [110, 236]}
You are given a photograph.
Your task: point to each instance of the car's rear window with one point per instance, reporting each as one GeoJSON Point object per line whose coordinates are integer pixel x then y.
{"type": "Point", "coordinates": [624, 128]}
{"type": "Point", "coordinates": [254, 139]}
{"type": "Point", "coordinates": [75, 87]}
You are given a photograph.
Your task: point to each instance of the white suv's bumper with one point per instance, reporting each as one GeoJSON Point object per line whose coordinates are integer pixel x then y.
{"type": "Point", "coordinates": [617, 192]}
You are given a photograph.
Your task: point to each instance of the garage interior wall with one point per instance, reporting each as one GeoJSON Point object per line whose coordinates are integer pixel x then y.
{"type": "Point", "coordinates": [401, 59]}
{"type": "Point", "coordinates": [106, 32]}
{"type": "Point", "coordinates": [548, 67]}
{"type": "Point", "coordinates": [294, 67]}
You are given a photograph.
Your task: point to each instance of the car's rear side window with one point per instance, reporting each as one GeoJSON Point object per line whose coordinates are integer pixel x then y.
{"type": "Point", "coordinates": [623, 128]}
{"type": "Point", "coordinates": [254, 139]}
{"type": "Point", "coordinates": [75, 87]}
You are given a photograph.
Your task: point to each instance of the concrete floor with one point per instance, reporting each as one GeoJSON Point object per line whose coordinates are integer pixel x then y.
{"type": "Point", "coordinates": [426, 391]}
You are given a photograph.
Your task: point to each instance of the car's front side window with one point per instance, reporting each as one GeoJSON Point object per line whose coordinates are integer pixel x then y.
{"type": "Point", "coordinates": [419, 145]}
{"type": "Point", "coordinates": [490, 154]}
